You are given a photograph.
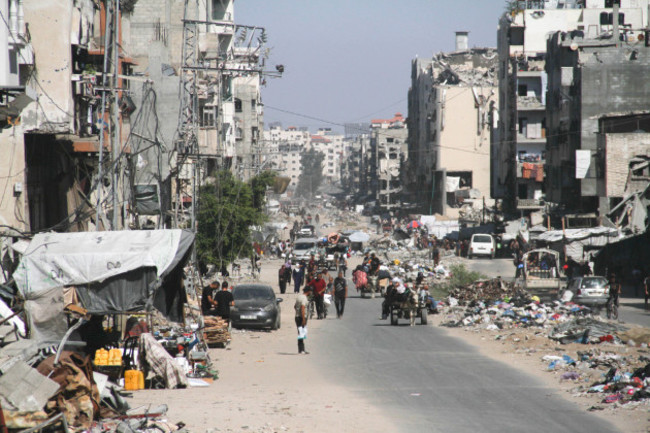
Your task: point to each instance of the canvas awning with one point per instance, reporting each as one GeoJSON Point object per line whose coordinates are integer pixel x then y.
{"type": "Point", "coordinates": [116, 271]}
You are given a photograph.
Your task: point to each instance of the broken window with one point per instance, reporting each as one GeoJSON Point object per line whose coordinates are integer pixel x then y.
{"type": "Point", "coordinates": [522, 90]}
{"type": "Point", "coordinates": [516, 35]}
{"type": "Point", "coordinates": [218, 10]}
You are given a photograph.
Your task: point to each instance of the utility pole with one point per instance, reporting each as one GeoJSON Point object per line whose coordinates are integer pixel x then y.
{"type": "Point", "coordinates": [108, 29]}
{"type": "Point", "coordinates": [116, 146]}
{"type": "Point", "coordinates": [111, 67]}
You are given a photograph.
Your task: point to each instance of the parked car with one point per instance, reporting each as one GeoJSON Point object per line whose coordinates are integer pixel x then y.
{"type": "Point", "coordinates": [256, 306]}
{"type": "Point", "coordinates": [481, 245]}
{"type": "Point", "coordinates": [592, 291]}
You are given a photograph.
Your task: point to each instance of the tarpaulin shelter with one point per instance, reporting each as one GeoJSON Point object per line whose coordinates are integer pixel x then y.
{"type": "Point", "coordinates": [108, 272]}
{"type": "Point", "coordinates": [576, 242]}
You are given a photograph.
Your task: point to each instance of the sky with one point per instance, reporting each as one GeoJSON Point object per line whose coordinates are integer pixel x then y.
{"type": "Point", "coordinates": [350, 60]}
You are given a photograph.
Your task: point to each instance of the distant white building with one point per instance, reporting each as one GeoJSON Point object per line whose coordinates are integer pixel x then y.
{"type": "Point", "coordinates": [284, 148]}
{"type": "Point", "coordinates": [331, 146]}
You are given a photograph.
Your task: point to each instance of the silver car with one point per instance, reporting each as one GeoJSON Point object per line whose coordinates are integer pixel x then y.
{"type": "Point", "coordinates": [591, 291]}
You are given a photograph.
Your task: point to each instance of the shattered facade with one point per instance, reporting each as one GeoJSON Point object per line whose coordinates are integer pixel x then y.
{"type": "Point", "coordinates": [354, 177]}
{"type": "Point", "coordinates": [389, 146]}
{"type": "Point", "coordinates": [53, 117]}
{"type": "Point", "coordinates": [519, 142]}
{"type": "Point", "coordinates": [450, 107]}
{"type": "Point", "coordinates": [597, 117]}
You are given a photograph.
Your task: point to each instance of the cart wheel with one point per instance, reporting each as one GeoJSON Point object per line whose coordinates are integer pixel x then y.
{"type": "Point", "coordinates": [424, 318]}
{"type": "Point", "coordinates": [393, 318]}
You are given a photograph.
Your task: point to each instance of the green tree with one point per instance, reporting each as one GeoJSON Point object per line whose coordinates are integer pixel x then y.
{"type": "Point", "coordinates": [312, 172]}
{"type": "Point", "coordinates": [227, 210]}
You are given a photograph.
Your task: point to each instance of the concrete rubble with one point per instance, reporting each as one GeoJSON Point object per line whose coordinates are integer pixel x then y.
{"type": "Point", "coordinates": [611, 362]}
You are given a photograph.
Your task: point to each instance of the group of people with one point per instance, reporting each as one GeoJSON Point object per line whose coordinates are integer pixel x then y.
{"type": "Point", "coordinates": [316, 289]}
{"type": "Point", "coordinates": [217, 302]}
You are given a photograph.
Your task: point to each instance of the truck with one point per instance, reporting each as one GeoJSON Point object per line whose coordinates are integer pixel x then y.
{"type": "Point", "coordinates": [541, 274]}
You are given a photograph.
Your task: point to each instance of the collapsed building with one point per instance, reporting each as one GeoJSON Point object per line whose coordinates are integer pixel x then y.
{"type": "Point", "coordinates": [599, 129]}
{"type": "Point", "coordinates": [451, 100]}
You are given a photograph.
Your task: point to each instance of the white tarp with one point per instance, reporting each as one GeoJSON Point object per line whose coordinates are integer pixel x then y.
{"type": "Point", "coordinates": [577, 234]}
{"type": "Point", "coordinates": [583, 160]}
{"type": "Point", "coordinates": [359, 237]}
{"type": "Point", "coordinates": [453, 183]}
{"type": "Point", "coordinates": [69, 259]}
{"type": "Point", "coordinates": [579, 239]}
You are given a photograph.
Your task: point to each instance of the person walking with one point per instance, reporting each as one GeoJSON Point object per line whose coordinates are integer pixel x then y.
{"type": "Point", "coordinates": [318, 285]}
{"type": "Point", "coordinates": [301, 318]}
{"type": "Point", "coordinates": [298, 276]}
{"type": "Point", "coordinates": [340, 294]}
{"type": "Point", "coordinates": [282, 278]}
{"type": "Point", "coordinates": [343, 264]}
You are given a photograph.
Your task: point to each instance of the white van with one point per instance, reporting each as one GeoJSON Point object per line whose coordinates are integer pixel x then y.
{"type": "Point", "coordinates": [481, 245]}
{"type": "Point", "coordinates": [303, 248]}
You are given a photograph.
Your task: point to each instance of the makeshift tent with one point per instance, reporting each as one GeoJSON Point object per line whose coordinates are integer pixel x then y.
{"type": "Point", "coordinates": [111, 272]}
{"type": "Point", "coordinates": [576, 242]}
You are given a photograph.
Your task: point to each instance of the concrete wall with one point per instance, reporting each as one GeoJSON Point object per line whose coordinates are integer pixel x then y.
{"type": "Point", "coordinates": [13, 207]}
{"type": "Point", "coordinates": [619, 149]}
{"type": "Point", "coordinates": [50, 23]}
{"type": "Point", "coordinates": [463, 146]}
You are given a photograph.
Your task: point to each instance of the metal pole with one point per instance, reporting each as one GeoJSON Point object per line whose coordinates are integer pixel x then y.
{"type": "Point", "coordinates": [101, 129]}
{"type": "Point", "coordinates": [117, 142]}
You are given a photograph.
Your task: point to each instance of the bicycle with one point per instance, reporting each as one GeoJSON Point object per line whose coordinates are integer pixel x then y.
{"type": "Point", "coordinates": [311, 307]}
{"type": "Point", "coordinates": [612, 308]}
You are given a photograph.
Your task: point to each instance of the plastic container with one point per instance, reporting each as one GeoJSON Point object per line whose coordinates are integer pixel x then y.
{"type": "Point", "coordinates": [133, 380]}
{"type": "Point", "coordinates": [101, 357]}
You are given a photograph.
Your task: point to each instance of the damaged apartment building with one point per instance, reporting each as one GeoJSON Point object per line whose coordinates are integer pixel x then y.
{"type": "Point", "coordinates": [520, 151]}
{"type": "Point", "coordinates": [451, 101]}
{"type": "Point", "coordinates": [598, 151]}
{"type": "Point", "coordinates": [220, 65]}
{"type": "Point", "coordinates": [388, 146]}
{"type": "Point", "coordinates": [52, 116]}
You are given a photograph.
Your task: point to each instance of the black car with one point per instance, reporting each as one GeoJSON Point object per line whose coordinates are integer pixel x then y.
{"type": "Point", "coordinates": [255, 307]}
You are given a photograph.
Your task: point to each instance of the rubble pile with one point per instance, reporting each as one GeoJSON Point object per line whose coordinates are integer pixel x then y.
{"type": "Point", "coordinates": [586, 330]}
{"type": "Point", "coordinates": [620, 380]}
{"type": "Point", "coordinates": [494, 304]}
{"type": "Point", "coordinates": [484, 291]}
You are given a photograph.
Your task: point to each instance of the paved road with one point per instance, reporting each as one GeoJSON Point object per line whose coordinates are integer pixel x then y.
{"type": "Point", "coordinates": [434, 383]}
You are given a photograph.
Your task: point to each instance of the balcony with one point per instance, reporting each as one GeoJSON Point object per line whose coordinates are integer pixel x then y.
{"type": "Point", "coordinates": [530, 103]}
{"type": "Point", "coordinates": [530, 204]}
{"type": "Point", "coordinates": [531, 170]}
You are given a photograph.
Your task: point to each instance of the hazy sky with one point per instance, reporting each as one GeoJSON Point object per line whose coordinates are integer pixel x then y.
{"type": "Point", "coordinates": [350, 60]}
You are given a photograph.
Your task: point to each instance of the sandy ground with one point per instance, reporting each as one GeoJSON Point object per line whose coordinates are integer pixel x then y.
{"type": "Point", "coordinates": [265, 386]}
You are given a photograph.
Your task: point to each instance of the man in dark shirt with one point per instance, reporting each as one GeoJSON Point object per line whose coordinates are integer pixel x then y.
{"type": "Point", "coordinates": [208, 303]}
{"type": "Point", "coordinates": [340, 293]}
{"type": "Point", "coordinates": [224, 301]}
{"type": "Point", "coordinates": [374, 264]}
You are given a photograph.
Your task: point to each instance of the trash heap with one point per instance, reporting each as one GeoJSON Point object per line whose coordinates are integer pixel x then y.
{"type": "Point", "coordinates": [494, 304]}
{"type": "Point", "coordinates": [620, 380]}
{"type": "Point", "coordinates": [587, 330]}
